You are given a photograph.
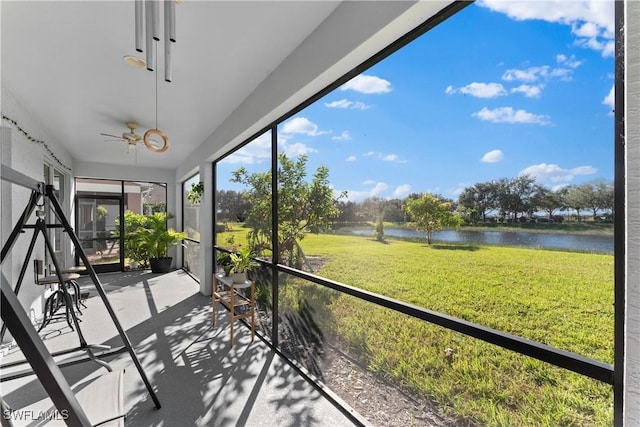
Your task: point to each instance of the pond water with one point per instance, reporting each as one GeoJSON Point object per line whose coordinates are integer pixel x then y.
{"type": "Point", "coordinates": [580, 242]}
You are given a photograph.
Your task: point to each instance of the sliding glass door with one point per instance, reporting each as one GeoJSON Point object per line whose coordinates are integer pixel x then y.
{"type": "Point", "coordinates": [98, 222]}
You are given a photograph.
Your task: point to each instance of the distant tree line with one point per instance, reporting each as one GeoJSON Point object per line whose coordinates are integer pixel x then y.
{"type": "Point", "coordinates": [522, 197]}
{"type": "Point", "coordinates": [504, 199]}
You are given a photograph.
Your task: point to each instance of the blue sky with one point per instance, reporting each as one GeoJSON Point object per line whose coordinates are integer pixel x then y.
{"type": "Point", "coordinates": [501, 89]}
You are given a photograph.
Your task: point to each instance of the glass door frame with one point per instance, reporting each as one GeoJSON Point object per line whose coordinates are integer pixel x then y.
{"type": "Point", "coordinates": [104, 268]}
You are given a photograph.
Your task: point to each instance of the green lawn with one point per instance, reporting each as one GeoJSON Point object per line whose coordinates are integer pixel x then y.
{"type": "Point", "coordinates": [559, 298]}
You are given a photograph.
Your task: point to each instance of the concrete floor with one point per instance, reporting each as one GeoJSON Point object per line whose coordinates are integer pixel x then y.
{"type": "Point", "coordinates": [199, 380]}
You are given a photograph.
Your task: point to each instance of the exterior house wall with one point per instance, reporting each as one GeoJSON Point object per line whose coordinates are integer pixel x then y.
{"type": "Point", "coordinates": [27, 157]}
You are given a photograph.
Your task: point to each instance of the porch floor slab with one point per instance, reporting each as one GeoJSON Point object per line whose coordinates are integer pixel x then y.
{"type": "Point", "coordinates": [198, 378]}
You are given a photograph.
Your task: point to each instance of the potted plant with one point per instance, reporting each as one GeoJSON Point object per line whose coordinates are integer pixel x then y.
{"type": "Point", "coordinates": [225, 262]}
{"type": "Point", "coordinates": [223, 259]}
{"type": "Point", "coordinates": [241, 263]}
{"type": "Point", "coordinates": [155, 238]}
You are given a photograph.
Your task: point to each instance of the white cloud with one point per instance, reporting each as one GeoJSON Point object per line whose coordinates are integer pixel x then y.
{"type": "Point", "coordinates": [346, 104]}
{"type": "Point", "coordinates": [610, 100]}
{"type": "Point", "coordinates": [344, 136]}
{"type": "Point", "coordinates": [351, 159]}
{"type": "Point", "coordinates": [239, 157]}
{"type": "Point", "coordinates": [492, 156]}
{"type": "Point", "coordinates": [342, 103]}
{"type": "Point", "coordinates": [552, 173]}
{"type": "Point", "coordinates": [302, 125]}
{"type": "Point", "coordinates": [380, 187]}
{"type": "Point", "coordinates": [391, 158]}
{"type": "Point", "coordinates": [257, 152]}
{"type": "Point", "coordinates": [385, 157]}
{"type": "Point", "coordinates": [402, 191]}
{"type": "Point", "coordinates": [561, 74]}
{"type": "Point", "coordinates": [588, 29]}
{"type": "Point", "coordinates": [542, 72]}
{"type": "Point", "coordinates": [376, 189]}
{"type": "Point", "coordinates": [529, 75]}
{"type": "Point", "coordinates": [528, 90]}
{"type": "Point", "coordinates": [591, 21]}
{"type": "Point", "coordinates": [570, 62]}
{"type": "Point", "coordinates": [479, 90]}
{"type": "Point", "coordinates": [458, 190]}
{"type": "Point", "coordinates": [509, 115]}
{"type": "Point", "coordinates": [296, 149]}
{"type": "Point", "coordinates": [367, 84]}
{"type": "Point", "coordinates": [285, 144]}
{"type": "Point", "coordinates": [360, 106]}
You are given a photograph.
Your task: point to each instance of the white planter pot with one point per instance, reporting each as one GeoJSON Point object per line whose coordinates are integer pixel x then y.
{"type": "Point", "coordinates": [239, 277]}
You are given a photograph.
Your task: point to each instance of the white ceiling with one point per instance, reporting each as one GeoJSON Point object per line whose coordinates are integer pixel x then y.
{"type": "Point", "coordinates": [62, 60]}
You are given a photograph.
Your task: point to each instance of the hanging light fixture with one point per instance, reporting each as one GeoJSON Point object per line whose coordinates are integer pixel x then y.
{"type": "Point", "coordinates": [139, 16]}
{"type": "Point", "coordinates": [155, 139]}
{"type": "Point", "coordinates": [131, 147]}
{"type": "Point", "coordinates": [169, 35]}
{"type": "Point", "coordinates": [151, 140]}
{"type": "Point", "coordinates": [147, 14]}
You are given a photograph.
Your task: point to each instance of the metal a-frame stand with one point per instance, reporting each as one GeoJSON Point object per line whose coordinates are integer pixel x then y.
{"type": "Point", "coordinates": [15, 318]}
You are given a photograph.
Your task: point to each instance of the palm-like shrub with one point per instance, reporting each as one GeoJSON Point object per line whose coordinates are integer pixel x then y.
{"type": "Point", "coordinates": [154, 238]}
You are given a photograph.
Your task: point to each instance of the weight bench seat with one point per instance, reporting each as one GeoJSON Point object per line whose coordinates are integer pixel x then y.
{"type": "Point", "coordinates": [102, 401]}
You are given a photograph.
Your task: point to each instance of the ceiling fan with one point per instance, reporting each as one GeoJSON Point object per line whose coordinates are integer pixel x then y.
{"type": "Point", "coordinates": [132, 139]}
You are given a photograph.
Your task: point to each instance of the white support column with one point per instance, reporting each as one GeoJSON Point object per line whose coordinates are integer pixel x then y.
{"type": "Point", "coordinates": [207, 228]}
{"type": "Point", "coordinates": [632, 140]}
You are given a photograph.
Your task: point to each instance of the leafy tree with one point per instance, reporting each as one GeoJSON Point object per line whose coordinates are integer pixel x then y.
{"type": "Point", "coordinates": [431, 213]}
{"type": "Point", "coordinates": [303, 206]}
{"type": "Point", "coordinates": [598, 195]}
{"type": "Point", "coordinates": [394, 211]}
{"type": "Point", "coordinates": [479, 199]}
{"type": "Point", "coordinates": [606, 195]}
{"type": "Point", "coordinates": [576, 199]}
{"type": "Point", "coordinates": [373, 208]}
{"type": "Point", "coordinates": [348, 212]}
{"type": "Point", "coordinates": [550, 201]}
{"type": "Point", "coordinates": [231, 206]}
{"type": "Point", "coordinates": [517, 195]}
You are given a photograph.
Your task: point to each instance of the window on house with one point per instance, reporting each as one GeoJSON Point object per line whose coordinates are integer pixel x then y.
{"type": "Point", "coordinates": [55, 177]}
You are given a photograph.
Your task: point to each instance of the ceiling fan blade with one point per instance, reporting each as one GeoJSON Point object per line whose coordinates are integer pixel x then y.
{"type": "Point", "coordinates": [112, 136]}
